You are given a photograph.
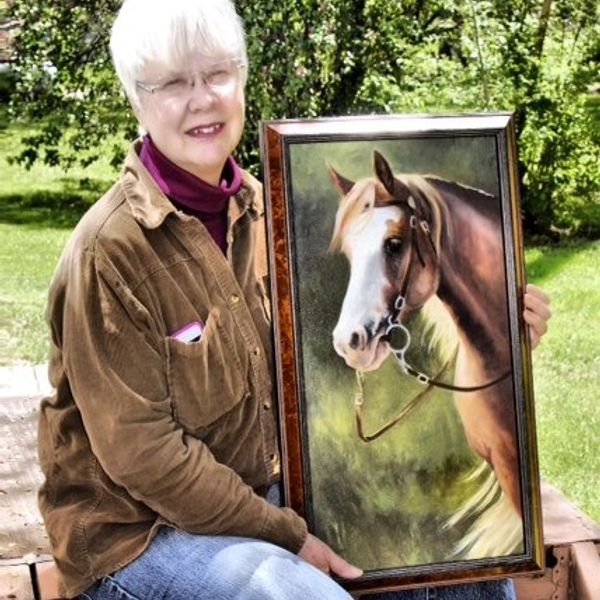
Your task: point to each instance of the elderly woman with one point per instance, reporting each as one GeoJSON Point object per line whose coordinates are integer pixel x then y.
{"type": "Point", "coordinates": [159, 446]}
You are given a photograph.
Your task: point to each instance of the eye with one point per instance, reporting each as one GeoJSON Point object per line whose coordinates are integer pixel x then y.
{"type": "Point", "coordinates": [174, 83]}
{"type": "Point", "coordinates": [220, 76]}
{"type": "Point", "coordinates": [393, 246]}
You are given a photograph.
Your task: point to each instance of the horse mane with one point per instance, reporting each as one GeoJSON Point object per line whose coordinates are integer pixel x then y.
{"type": "Point", "coordinates": [369, 193]}
{"type": "Point", "coordinates": [429, 203]}
{"type": "Point", "coordinates": [351, 206]}
{"type": "Point", "coordinates": [479, 199]}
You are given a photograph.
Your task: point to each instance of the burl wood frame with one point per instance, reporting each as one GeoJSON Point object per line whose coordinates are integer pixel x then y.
{"type": "Point", "coordinates": [277, 140]}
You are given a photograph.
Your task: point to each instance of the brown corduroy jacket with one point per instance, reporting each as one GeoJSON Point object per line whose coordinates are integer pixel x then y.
{"type": "Point", "coordinates": [144, 429]}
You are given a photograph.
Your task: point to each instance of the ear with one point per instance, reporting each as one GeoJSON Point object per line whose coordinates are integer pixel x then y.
{"type": "Point", "coordinates": [383, 172]}
{"type": "Point", "coordinates": [342, 184]}
{"type": "Point", "coordinates": [396, 188]}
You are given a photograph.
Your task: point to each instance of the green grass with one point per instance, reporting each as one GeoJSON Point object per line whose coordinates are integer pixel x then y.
{"type": "Point", "coordinates": [38, 209]}
{"type": "Point", "coordinates": [567, 371]}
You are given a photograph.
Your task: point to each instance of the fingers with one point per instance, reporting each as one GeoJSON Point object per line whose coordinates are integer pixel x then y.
{"type": "Point", "coordinates": [343, 568]}
{"type": "Point", "coordinates": [537, 327]}
{"type": "Point", "coordinates": [321, 556]}
{"type": "Point", "coordinates": [536, 313]}
{"type": "Point", "coordinates": [535, 291]}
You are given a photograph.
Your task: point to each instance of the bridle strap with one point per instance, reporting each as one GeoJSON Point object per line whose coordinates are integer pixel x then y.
{"type": "Point", "coordinates": [448, 386]}
{"type": "Point", "coordinates": [415, 222]}
{"type": "Point", "coordinates": [359, 402]}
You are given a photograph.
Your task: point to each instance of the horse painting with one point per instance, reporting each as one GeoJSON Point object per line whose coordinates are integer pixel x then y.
{"type": "Point", "coordinates": [409, 238]}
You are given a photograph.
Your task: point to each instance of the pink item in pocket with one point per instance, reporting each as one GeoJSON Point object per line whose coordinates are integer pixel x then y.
{"type": "Point", "coordinates": [192, 332]}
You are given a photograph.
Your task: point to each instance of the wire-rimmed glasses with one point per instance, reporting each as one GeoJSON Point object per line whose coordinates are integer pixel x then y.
{"type": "Point", "coordinates": [221, 77]}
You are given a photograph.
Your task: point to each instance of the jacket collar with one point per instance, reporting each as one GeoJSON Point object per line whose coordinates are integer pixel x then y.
{"type": "Point", "coordinates": [150, 207]}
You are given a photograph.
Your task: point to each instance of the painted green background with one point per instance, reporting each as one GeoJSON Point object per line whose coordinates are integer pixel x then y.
{"type": "Point", "coordinates": [384, 504]}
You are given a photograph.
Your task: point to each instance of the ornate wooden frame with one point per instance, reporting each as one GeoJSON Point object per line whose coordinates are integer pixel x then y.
{"type": "Point", "coordinates": [277, 140]}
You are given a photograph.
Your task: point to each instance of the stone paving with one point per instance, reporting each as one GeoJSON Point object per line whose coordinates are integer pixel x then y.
{"type": "Point", "coordinates": [21, 530]}
{"type": "Point", "coordinates": [22, 381]}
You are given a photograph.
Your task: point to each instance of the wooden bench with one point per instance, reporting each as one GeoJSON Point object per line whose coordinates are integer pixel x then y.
{"type": "Point", "coordinates": [27, 572]}
{"type": "Point", "coordinates": [572, 555]}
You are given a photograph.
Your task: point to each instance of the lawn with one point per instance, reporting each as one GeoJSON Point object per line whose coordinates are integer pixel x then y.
{"type": "Point", "coordinates": [38, 209]}
{"type": "Point", "coordinates": [567, 370]}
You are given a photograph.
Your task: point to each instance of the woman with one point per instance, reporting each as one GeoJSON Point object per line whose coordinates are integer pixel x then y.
{"type": "Point", "coordinates": [159, 446]}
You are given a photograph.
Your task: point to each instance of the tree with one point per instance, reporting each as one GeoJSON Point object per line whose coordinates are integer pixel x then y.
{"type": "Point", "coordinates": [332, 57]}
{"type": "Point", "coordinates": [65, 85]}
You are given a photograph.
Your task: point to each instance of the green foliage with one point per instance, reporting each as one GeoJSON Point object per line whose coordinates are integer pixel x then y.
{"type": "Point", "coordinates": [329, 57]}
{"type": "Point", "coordinates": [65, 84]}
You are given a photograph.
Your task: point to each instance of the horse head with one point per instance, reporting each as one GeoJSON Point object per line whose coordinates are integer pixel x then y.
{"type": "Point", "coordinates": [388, 229]}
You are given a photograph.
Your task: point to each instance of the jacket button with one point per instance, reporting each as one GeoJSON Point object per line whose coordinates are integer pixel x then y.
{"type": "Point", "coordinates": [234, 298]}
{"type": "Point", "coordinates": [256, 351]}
{"type": "Point", "coordinates": [266, 405]}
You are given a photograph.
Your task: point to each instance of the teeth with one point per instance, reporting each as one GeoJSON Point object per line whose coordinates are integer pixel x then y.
{"type": "Point", "coordinates": [206, 130]}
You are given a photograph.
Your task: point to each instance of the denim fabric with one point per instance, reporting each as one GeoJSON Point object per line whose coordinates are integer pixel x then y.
{"type": "Point", "coordinates": [502, 589]}
{"type": "Point", "coordinates": [182, 566]}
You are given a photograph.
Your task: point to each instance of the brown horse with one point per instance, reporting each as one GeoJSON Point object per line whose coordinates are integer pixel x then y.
{"type": "Point", "coordinates": [408, 238]}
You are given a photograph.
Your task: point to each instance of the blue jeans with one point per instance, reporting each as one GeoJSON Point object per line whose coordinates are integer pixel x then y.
{"type": "Point", "coordinates": [182, 566]}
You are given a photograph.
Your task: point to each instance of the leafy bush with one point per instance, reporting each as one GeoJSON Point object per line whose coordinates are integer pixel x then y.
{"type": "Point", "coordinates": [329, 57]}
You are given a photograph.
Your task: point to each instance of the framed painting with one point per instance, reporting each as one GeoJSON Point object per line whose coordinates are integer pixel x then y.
{"type": "Point", "coordinates": [403, 363]}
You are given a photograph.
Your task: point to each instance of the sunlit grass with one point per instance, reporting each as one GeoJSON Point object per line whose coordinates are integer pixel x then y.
{"type": "Point", "coordinates": [38, 209]}
{"type": "Point", "coordinates": [567, 371]}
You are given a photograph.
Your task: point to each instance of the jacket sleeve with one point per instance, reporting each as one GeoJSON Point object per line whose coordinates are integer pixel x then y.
{"type": "Point", "coordinates": [115, 366]}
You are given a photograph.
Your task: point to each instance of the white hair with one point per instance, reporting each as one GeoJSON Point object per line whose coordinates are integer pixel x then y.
{"type": "Point", "coordinates": [169, 32]}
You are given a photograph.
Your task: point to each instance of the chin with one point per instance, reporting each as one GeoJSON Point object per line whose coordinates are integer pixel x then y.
{"type": "Point", "coordinates": [369, 359]}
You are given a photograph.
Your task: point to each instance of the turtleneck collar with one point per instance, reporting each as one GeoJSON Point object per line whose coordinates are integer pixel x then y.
{"type": "Point", "coordinates": [186, 190]}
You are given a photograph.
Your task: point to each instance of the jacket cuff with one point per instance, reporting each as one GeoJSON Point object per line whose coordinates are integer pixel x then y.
{"type": "Point", "coordinates": [284, 527]}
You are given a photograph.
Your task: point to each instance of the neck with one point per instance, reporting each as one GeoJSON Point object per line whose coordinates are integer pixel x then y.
{"type": "Point", "coordinates": [473, 287]}
{"type": "Point", "coordinates": [192, 195]}
{"type": "Point", "coordinates": [185, 187]}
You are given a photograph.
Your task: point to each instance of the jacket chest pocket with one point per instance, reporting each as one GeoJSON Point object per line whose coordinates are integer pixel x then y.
{"type": "Point", "coordinates": [206, 378]}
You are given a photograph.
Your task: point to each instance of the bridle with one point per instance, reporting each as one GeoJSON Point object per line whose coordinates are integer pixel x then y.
{"type": "Point", "coordinates": [417, 226]}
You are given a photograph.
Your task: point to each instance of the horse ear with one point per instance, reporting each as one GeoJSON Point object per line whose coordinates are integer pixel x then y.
{"type": "Point", "coordinates": [398, 190]}
{"type": "Point", "coordinates": [383, 171]}
{"type": "Point", "coordinates": [342, 184]}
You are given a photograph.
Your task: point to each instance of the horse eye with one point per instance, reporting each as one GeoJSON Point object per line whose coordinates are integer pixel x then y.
{"type": "Point", "coordinates": [392, 246]}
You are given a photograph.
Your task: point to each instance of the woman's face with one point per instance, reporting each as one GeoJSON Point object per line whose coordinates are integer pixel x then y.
{"type": "Point", "coordinates": [195, 126]}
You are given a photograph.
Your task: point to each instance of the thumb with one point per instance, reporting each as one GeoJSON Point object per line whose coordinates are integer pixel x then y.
{"type": "Point", "coordinates": [343, 568]}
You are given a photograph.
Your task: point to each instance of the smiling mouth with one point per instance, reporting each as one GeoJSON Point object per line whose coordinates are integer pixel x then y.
{"type": "Point", "coordinates": [205, 130]}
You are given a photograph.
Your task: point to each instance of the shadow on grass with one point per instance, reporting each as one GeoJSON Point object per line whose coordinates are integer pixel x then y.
{"type": "Point", "coordinates": [51, 208]}
{"type": "Point", "coordinates": [553, 258]}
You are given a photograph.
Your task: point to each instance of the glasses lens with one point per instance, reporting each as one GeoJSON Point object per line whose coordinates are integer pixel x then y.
{"type": "Point", "coordinates": [177, 86]}
{"type": "Point", "coordinates": [222, 75]}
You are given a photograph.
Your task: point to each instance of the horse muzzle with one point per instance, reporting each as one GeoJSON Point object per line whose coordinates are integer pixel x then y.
{"type": "Point", "coordinates": [359, 348]}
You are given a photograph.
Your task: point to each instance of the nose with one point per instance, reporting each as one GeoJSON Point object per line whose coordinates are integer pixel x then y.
{"type": "Point", "coordinates": [356, 340]}
{"type": "Point", "coordinates": [201, 96]}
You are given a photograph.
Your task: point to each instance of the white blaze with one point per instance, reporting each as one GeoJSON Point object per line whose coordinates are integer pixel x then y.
{"type": "Point", "coordinates": [364, 302]}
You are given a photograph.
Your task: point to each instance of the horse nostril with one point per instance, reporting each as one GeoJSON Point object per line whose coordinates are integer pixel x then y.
{"type": "Point", "coordinates": [354, 341]}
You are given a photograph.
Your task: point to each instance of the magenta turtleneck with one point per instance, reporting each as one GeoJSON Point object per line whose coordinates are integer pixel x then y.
{"type": "Point", "coordinates": [191, 194]}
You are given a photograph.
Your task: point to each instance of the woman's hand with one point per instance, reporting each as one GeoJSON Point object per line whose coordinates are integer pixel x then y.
{"type": "Point", "coordinates": [321, 556]}
{"type": "Point", "coordinates": [537, 312]}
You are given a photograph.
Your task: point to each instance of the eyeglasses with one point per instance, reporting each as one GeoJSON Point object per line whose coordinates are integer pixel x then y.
{"type": "Point", "coordinates": [221, 78]}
